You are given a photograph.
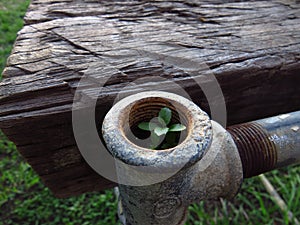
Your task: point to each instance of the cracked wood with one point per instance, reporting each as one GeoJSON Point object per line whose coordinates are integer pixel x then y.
{"type": "Point", "coordinates": [252, 47]}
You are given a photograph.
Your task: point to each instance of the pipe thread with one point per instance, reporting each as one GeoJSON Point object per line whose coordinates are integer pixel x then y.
{"type": "Point", "coordinates": [258, 153]}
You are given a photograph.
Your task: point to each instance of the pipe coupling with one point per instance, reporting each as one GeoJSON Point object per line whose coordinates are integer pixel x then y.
{"type": "Point", "coordinates": [157, 186]}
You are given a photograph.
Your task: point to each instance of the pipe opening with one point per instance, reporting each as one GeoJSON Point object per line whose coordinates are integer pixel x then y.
{"type": "Point", "coordinates": [147, 109]}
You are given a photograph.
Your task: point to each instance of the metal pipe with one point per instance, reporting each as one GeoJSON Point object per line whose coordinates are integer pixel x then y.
{"type": "Point", "coordinates": [268, 144]}
{"type": "Point", "coordinates": [157, 186]}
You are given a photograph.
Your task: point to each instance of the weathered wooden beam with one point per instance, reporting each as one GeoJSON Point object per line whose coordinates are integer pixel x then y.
{"type": "Point", "coordinates": [252, 47]}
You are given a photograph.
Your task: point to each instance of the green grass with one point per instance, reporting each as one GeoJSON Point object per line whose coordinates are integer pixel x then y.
{"type": "Point", "coordinates": [11, 14]}
{"type": "Point", "coordinates": [253, 205]}
{"type": "Point", "coordinates": [25, 200]}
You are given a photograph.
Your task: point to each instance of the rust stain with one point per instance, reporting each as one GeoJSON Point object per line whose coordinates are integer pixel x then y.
{"type": "Point", "coordinates": [258, 153]}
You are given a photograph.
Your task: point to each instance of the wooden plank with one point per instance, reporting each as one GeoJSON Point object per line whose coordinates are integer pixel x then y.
{"type": "Point", "coordinates": [252, 47]}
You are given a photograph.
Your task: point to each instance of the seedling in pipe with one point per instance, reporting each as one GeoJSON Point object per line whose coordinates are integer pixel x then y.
{"type": "Point", "coordinates": [161, 132]}
{"type": "Point", "coordinates": [157, 186]}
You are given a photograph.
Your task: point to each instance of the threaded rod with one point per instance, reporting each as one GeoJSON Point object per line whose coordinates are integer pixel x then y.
{"type": "Point", "coordinates": [268, 144]}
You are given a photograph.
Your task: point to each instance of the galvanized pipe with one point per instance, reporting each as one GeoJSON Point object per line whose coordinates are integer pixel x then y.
{"type": "Point", "coordinates": [156, 186]}
{"type": "Point", "coordinates": [268, 144]}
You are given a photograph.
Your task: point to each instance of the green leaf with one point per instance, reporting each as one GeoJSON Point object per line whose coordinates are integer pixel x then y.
{"type": "Point", "coordinates": [161, 121]}
{"type": "Point", "coordinates": [155, 140]}
{"type": "Point", "coordinates": [166, 114]}
{"type": "Point", "coordinates": [159, 131]}
{"type": "Point", "coordinates": [152, 125]}
{"type": "Point", "coordinates": [177, 127]}
{"type": "Point", "coordinates": [144, 126]}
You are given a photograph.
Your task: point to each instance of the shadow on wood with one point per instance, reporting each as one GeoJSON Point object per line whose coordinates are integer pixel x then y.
{"type": "Point", "coordinates": [252, 48]}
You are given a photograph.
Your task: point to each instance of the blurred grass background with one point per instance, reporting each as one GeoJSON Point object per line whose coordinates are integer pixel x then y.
{"type": "Point", "coordinates": [25, 200]}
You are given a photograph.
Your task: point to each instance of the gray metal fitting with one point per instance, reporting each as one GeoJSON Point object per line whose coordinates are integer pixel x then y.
{"type": "Point", "coordinates": [269, 143]}
{"type": "Point", "coordinates": [157, 186]}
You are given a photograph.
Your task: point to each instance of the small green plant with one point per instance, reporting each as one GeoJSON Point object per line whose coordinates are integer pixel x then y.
{"type": "Point", "coordinates": [163, 135]}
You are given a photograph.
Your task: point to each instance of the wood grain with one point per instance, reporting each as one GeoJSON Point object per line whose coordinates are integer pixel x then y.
{"type": "Point", "coordinates": [252, 48]}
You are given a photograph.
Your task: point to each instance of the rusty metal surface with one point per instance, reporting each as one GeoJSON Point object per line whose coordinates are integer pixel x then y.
{"type": "Point", "coordinates": [257, 152]}
{"type": "Point", "coordinates": [117, 134]}
{"type": "Point", "coordinates": [157, 186]}
{"type": "Point", "coordinates": [284, 132]}
{"type": "Point", "coordinates": [211, 175]}
{"type": "Point", "coordinates": [268, 144]}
